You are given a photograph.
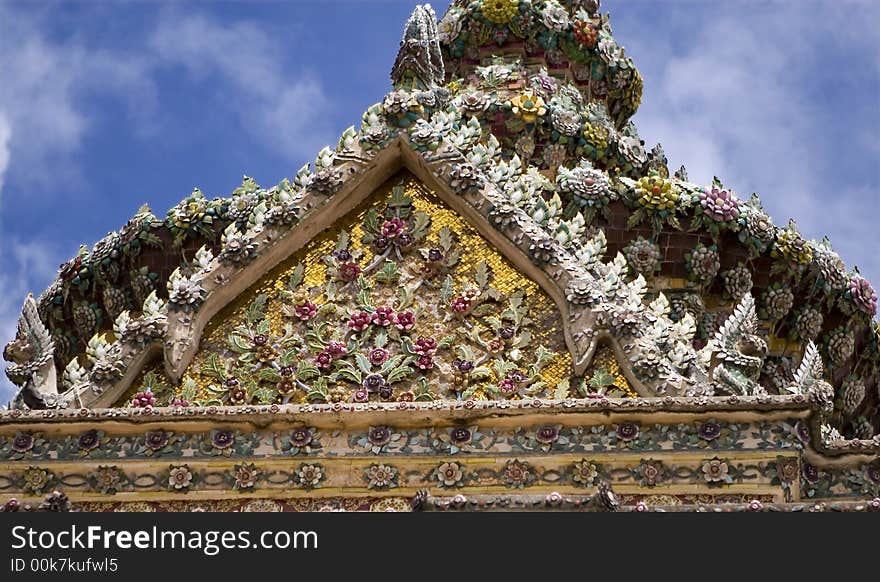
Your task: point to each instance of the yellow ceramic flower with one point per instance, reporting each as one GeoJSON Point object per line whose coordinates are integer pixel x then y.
{"type": "Point", "coordinates": [500, 11]}
{"type": "Point", "coordinates": [194, 211]}
{"type": "Point", "coordinates": [793, 247]}
{"type": "Point", "coordinates": [528, 105]}
{"type": "Point", "coordinates": [657, 193]}
{"type": "Point", "coordinates": [632, 97]}
{"type": "Point", "coordinates": [300, 297]}
{"type": "Point", "coordinates": [596, 135]}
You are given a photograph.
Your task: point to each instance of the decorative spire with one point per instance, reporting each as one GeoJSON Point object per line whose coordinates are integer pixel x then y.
{"type": "Point", "coordinates": [657, 161]}
{"type": "Point", "coordinates": [419, 63]}
{"type": "Point", "coordinates": [567, 38]}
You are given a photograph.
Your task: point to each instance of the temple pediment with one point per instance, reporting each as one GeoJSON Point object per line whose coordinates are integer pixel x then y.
{"type": "Point", "coordinates": [492, 252]}
{"type": "Point", "coordinates": [400, 300]}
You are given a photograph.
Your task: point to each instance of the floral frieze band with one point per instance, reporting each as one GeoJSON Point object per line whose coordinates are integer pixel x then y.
{"type": "Point", "coordinates": [568, 472]}
{"type": "Point", "coordinates": [785, 474]}
{"type": "Point", "coordinates": [459, 439]}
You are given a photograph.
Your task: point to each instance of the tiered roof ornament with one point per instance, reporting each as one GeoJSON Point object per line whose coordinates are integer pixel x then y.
{"type": "Point", "coordinates": [518, 114]}
{"type": "Point", "coordinates": [419, 64]}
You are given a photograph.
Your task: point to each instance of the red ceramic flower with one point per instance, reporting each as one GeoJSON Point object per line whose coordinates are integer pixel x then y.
{"type": "Point", "coordinates": [359, 321]}
{"type": "Point", "coordinates": [425, 346]}
{"type": "Point", "coordinates": [349, 271]}
{"type": "Point", "coordinates": [336, 349]}
{"type": "Point", "coordinates": [392, 227]}
{"type": "Point", "coordinates": [378, 356]}
{"type": "Point", "coordinates": [404, 320]}
{"type": "Point", "coordinates": [585, 33]}
{"type": "Point", "coordinates": [383, 316]}
{"type": "Point", "coordinates": [323, 360]}
{"type": "Point", "coordinates": [306, 311]}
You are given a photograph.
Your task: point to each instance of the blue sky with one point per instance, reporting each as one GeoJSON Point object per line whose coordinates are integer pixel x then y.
{"type": "Point", "coordinates": [107, 105]}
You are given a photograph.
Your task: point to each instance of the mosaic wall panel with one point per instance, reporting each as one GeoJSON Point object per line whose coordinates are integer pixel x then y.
{"type": "Point", "coordinates": [400, 300]}
{"type": "Point", "coordinates": [473, 438]}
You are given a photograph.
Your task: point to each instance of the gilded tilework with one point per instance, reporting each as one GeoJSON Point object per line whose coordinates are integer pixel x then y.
{"type": "Point", "coordinates": [151, 386]}
{"type": "Point", "coordinates": [604, 375]}
{"type": "Point", "coordinates": [400, 300]}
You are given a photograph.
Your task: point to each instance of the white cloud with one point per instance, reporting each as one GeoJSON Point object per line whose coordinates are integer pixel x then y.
{"type": "Point", "coordinates": [51, 83]}
{"type": "Point", "coordinates": [29, 267]}
{"type": "Point", "coordinates": [289, 113]}
{"type": "Point", "coordinates": [5, 135]}
{"type": "Point", "coordinates": [44, 95]}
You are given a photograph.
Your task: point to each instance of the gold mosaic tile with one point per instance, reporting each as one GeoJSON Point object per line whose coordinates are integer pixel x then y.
{"type": "Point", "coordinates": [605, 361]}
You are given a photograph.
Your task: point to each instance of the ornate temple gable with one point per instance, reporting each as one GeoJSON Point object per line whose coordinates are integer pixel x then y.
{"type": "Point", "coordinates": [522, 129]}
{"type": "Point", "coordinates": [400, 300]}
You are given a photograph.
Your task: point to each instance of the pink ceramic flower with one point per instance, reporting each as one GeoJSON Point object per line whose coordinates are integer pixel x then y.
{"type": "Point", "coordinates": [349, 271]}
{"type": "Point", "coordinates": [323, 360]}
{"type": "Point", "coordinates": [863, 295]}
{"type": "Point", "coordinates": [336, 349]}
{"type": "Point", "coordinates": [719, 204]}
{"type": "Point", "coordinates": [392, 227]}
{"type": "Point", "coordinates": [306, 311]}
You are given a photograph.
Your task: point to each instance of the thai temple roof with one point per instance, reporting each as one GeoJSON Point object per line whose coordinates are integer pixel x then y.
{"type": "Point", "coordinates": [494, 230]}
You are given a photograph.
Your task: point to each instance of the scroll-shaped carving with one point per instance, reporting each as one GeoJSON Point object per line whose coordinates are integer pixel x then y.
{"type": "Point", "coordinates": [32, 368]}
{"type": "Point", "coordinates": [736, 353]}
{"type": "Point", "coordinates": [808, 380]}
